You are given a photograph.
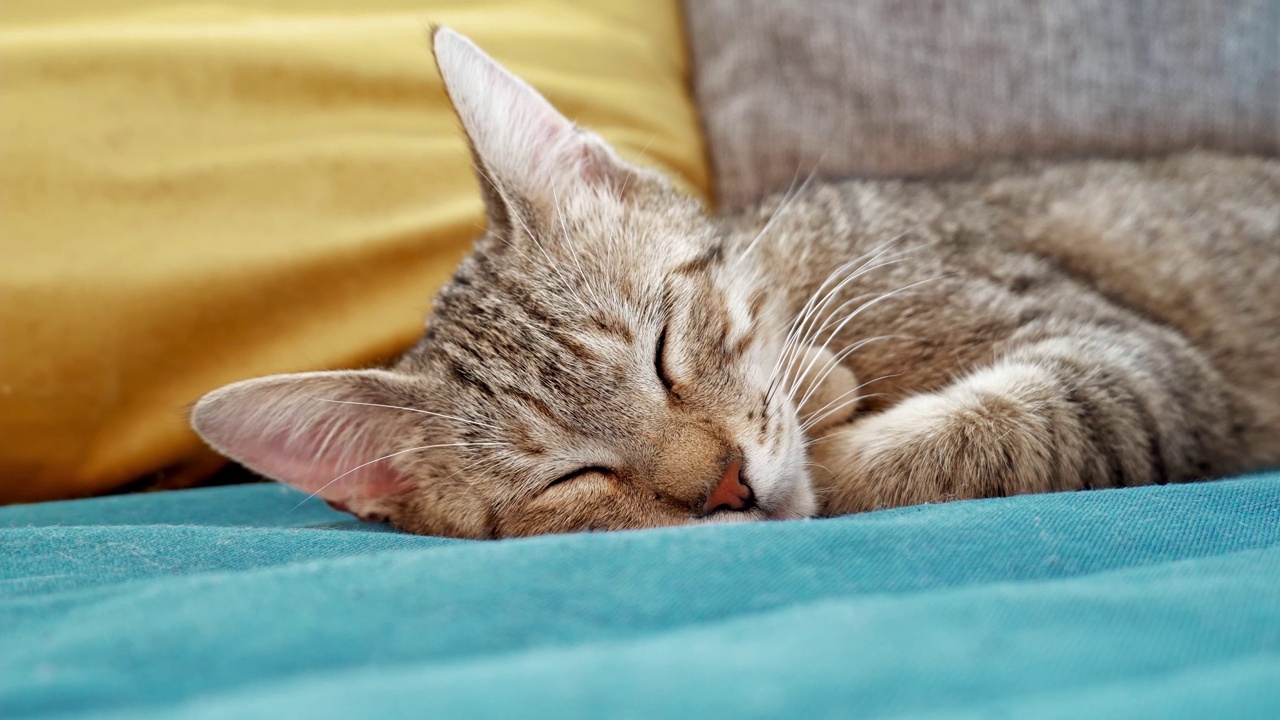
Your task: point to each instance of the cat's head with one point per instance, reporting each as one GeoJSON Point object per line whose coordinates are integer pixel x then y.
{"type": "Point", "coordinates": [600, 361]}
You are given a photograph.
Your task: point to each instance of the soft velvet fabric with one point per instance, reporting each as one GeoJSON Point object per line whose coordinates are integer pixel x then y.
{"type": "Point", "coordinates": [197, 193]}
{"type": "Point", "coordinates": [1159, 602]}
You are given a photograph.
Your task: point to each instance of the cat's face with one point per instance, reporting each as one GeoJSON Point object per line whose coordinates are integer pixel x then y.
{"type": "Point", "coordinates": [603, 360]}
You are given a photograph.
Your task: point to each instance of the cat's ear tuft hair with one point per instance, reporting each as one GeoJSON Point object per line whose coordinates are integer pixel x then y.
{"type": "Point", "coordinates": [324, 433]}
{"type": "Point", "coordinates": [522, 147]}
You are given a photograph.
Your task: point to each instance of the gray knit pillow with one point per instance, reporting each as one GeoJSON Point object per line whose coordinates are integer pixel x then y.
{"type": "Point", "coordinates": [908, 87]}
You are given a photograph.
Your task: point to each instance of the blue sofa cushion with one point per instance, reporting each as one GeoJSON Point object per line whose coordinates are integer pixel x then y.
{"type": "Point", "coordinates": [246, 601]}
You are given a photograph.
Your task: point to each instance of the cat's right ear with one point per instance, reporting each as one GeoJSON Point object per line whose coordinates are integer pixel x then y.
{"type": "Point", "coordinates": [334, 435]}
{"type": "Point", "coordinates": [523, 148]}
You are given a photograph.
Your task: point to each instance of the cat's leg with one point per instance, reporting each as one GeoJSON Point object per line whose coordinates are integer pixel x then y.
{"type": "Point", "coordinates": [1100, 408]}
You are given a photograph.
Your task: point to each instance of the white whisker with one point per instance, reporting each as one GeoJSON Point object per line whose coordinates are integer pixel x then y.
{"type": "Point", "coordinates": [809, 419]}
{"type": "Point", "coordinates": [810, 329]}
{"type": "Point", "coordinates": [564, 229]}
{"type": "Point", "coordinates": [834, 363]}
{"type": "Point", "coordinates": [627, 180]}
{"type": "Point", "coordinates": [794, 334]}
{"type": "Point", "coordinates": [815, 305]}
{"type": "Point", "coordinates": [814, 421]}
{"type": "Point", "coordinates": [816, 329]}
{"type": "Point", "coordinates": [864, 306]}
{"type": "Point", "coordinates": [782, 206]}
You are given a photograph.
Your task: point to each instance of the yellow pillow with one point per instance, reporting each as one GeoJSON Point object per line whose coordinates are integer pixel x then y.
{"type": "Point", "coordinates": [195, 195]}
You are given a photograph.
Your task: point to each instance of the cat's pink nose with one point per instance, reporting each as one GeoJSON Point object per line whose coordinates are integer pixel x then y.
{"type": "Point", "coordinates": [731, 492]}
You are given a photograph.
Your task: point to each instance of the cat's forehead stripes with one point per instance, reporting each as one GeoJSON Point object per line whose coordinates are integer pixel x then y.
{"type": "Point", "coordinates": [549, 374]}
{"type": "Point", "coordinates": [614, 326]}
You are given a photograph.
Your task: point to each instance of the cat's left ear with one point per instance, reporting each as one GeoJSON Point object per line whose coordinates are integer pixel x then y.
{"type": "Point", "coordinates": [336, 435]}
{"type": "Point", "coordinates": [522, 147]}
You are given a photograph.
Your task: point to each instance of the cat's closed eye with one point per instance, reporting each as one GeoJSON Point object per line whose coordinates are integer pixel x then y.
{"type": "Point", "coordinates": [660, 365]}
{"type": "Point", "coordinates": [578, 474]}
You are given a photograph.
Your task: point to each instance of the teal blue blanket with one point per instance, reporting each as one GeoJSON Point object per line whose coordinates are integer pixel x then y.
{"type": "Point", "coordinates": [237, 602]}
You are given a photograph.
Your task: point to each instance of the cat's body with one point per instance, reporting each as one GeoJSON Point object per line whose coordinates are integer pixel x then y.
{"type": "Point", "coordinates": [1138, 301]}
{"type": "Point", "coordinates": [610, 357]}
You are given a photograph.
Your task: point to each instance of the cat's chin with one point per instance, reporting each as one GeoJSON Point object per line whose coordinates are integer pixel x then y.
{"type": "Point", "coordinates": [793, 502]}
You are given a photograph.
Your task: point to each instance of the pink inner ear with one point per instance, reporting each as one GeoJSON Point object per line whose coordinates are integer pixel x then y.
{"type": "Point", "coordinates": [335, 471]}
{"type": "Point", "coordinates": [523, 140]}
{"type": "Point", "coordinates": [338, 450]}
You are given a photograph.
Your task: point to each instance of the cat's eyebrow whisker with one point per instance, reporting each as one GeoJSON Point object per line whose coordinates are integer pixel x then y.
{"type": "Point", "coordinates": [505, 241]}
{"type": "Point", "coordinates": [782, 206]}
{"type": "Point", "coordinates": [626, 180]}
{"type": "Point", "coordinates": [565, 280]}
{"type": "Point", "coordinates": [477, 423]}
{"type": "Point", "coordinates": [786, 198]}
{"type": "Point", "coordinates": [564, 228]}
{"type": "Point", "coordinates": [322, 488]}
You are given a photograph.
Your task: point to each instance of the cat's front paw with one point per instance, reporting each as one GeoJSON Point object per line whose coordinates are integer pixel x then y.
{"type": "Point", "coordinates": [825, 392]}
{"type": "Point", "coordinates": [934, 448]}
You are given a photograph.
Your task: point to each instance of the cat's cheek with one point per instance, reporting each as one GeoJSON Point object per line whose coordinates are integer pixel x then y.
{"type": "Point", "coordinates": [572, 498]}
{"type": "Point", "coordinates": [437, 510]}
{"type": "Point", "coordinates": [592, 505]}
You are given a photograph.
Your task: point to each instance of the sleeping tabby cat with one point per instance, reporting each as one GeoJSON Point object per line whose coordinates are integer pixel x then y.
{"type": "Point", "coordinates": [610, 356]}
